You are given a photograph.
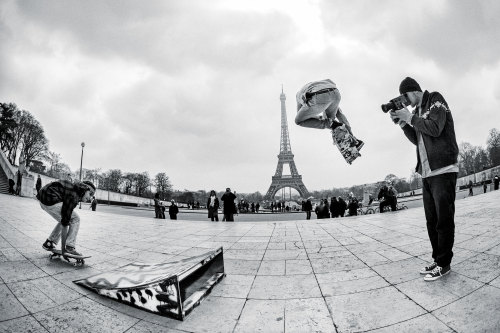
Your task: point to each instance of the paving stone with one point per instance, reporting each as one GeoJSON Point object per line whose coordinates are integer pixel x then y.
{"type": "Point", "coordinates": [307, 315]}
{"type": "Point", "coordinates": [436, 294]}
{"type": "Point", "coordinates": [480, 243]}
{"type": "Point", "coordinates": [400, 271]}
{"type": "Point", "coordinates": [423, 324]}
{"type": "Point", "coordinates": [272, 267]}
{"type": "Point", "coordinates": [43, 293]}
{"type": "Point", "coordinates": [244, 254]}
{"type": "Point", "coordinates": [84, 315]}
{"type": "Point", "coordinates": [26, 324]}
{"type": "Point", "coordinates": [483, 267]}
{"type": "Point", "coordinates": [12, 254]}
{"type": "Point", "coordinates": [241, 267]}
{"type": "Point", "coordinates": [14, 271]}
{"type": "Point", "coordinates": [333, 288]}
{"type": "Point", "coordinates": [294, 267]}
{"type": "Point", "coordinates": [285, 254]}
{"type": "Point", "coordinates": [284, 287]}
{"type": "Point", "coordinates": [10, 307]}
{"type": "Point", "coordinates": [333, 264]}
{"type": "Point", "coordinates": [371, 309]}
{"type": "Point", "coordinates": [236, 286]}
{"type": "Point", "coordinates": [266, 316]}
{"type": "Point", "coordinates": [147, 327]}
{"type": "Point", "coordinates": [476, 312]}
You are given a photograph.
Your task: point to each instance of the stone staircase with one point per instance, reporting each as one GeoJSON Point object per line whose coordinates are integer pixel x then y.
{"type": "Point", "coordinates": [4, 182]}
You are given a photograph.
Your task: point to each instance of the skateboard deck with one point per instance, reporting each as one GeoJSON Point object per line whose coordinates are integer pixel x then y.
{"type": "Point", "coordinates": [79, 260]}
{"type": "Point", "coordinates": [346, 143]}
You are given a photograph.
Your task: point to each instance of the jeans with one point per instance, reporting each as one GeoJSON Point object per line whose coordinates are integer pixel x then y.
{"type": "Point", "coordinates": [315, 114]}
{"type": "Point", "coordinates": [439, 206]}
{"type": "Point", "coordinates": [74, 224]}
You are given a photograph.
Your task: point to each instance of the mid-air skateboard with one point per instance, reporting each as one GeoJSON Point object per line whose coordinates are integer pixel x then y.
{"type": "Point", "coordinates": [79, 260]}
{"type": "Point", "coordinates": [346, 143]}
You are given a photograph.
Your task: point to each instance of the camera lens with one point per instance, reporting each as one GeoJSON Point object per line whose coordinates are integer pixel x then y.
{"type": "Point", "coordinates": [386, 107]}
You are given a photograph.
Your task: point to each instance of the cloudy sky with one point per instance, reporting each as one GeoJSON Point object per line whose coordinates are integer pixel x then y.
{"type": "Point", "coordinates": [191, 88]}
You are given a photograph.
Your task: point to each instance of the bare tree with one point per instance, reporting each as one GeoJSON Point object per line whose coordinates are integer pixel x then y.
{"type": "Point", "coordinates": [493, 146]}
{"type": "Point", "coordinates": [162, 184]}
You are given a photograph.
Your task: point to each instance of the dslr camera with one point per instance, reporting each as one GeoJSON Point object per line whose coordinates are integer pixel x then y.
{"type": "Point", "coordinates": [396, 103]}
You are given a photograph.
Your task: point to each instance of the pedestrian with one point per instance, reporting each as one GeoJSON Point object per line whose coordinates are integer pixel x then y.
{"type": "Point", "coordinates": [38, 185]}
{"type": "Point", "coordinates": [470, 188]}
{"type": "Point", "coordinates": [308, 208]}
{"type": "Point", "coordinates": [318, 210]}
{"type": "Point", "coordinates": [213, 206]}
{"type": "Point", "coordinates": [272, 207]}
{"type": "Point", "coordinates": [11, 186]}
{"type": "Point", "coordinates": [157, 206]}
{"type": "Point", "coordinates": [353, 205]}
{"type": "Point", "coordinates": [59, 199]}
{"type": "Point", "coordinates": [485, 186]}
{"type": "Point", "coordinates": [318, 107]}
{"type": "Point", "coordinates": [257, 207]}
{"type": "Point", "coordinates": [173, 210]}
{"type": "Point", "coordinates": [496, 182]}
{"type": "Point", "coordinates": [229, 206]}
{"type": "Point", "coordinates": [342, 207]}
{"type": "Point", "coordinates": [334, 207]}
{"type": "Point", "coordinates": [387, 197]}
{"type": "Point", "coordinates": [93, 203]}
{"type": "Point", "coordinates": [431, 129]}
{"type": "Point", "coordinates": [19, 182]}
{"type": "Point", "coordinates": [326, 209]}
{"type": "Point", "coordinates": [162, 210]}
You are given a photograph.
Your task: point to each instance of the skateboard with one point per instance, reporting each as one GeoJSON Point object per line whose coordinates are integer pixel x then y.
{"type": "Point", "coordinates": [80, 260]}
{"type": "Point", "coordinates": [346, 143]}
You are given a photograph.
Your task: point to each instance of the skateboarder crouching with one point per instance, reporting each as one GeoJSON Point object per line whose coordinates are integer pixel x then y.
{"type": "Point", "coordinates": [59, 200]}
{"type": "Point", "coordinates": [318, 107]}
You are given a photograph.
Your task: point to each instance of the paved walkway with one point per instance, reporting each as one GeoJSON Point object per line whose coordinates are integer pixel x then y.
{"type": "Point", "coordinates": [347, 275]}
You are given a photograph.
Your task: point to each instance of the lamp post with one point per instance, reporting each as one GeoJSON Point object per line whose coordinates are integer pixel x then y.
{"type": "Point", "coordinates": [81, 163]}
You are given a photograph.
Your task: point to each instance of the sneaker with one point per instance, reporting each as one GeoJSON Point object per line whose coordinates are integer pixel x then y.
{"type": "Point", "coordinates": [427, 269]}
{"type": "Point", "coordinates": [71, 250]}
{"type": "Point", "coordinates": [359, 145]}
{"type": "Point", "coordinates": [335, 124]}
{"type": "Point", "coordinates": [48, 245]}
{"type": "Point", "coordinates": [437, 273]}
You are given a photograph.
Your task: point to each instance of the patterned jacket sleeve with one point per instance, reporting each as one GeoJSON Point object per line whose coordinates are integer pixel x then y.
{"type": "Point", "coordinates": [433, 120]}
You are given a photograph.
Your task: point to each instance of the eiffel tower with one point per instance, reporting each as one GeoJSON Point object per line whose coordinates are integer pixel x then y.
{"type": "Point", "coordinates": [279, 180]}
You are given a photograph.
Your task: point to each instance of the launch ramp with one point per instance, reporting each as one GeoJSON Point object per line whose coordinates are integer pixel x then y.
{"type": "Point", "coordinates": [171, 289]}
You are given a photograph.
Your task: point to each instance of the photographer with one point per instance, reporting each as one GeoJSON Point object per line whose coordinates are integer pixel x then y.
{"type": "Point", "coordinates": [430, 128]}
{"type": "Point", "coordinates": [387, 197]}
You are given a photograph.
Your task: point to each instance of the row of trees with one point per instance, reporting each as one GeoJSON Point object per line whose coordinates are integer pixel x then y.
{"type": "Point", "coordinates": [138, 184]}
{"type": "Point", "coordinates": [476, 158]}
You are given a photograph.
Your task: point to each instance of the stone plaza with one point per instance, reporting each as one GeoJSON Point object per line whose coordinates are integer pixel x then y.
{"type": "Point", "coordinates": [353, 274]}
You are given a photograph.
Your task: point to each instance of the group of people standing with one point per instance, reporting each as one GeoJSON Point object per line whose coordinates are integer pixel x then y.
{"type": "Point", "coordinates": [337, 207]}
{"type": "Point", "coordinates": [173, 209]}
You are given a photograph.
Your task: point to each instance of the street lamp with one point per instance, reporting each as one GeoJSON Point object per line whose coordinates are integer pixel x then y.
{"type": "Point", "coordinates": [81, 162]}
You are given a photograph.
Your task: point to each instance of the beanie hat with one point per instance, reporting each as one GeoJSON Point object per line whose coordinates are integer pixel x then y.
{"type": "Point", "coordinates": [407, 85]}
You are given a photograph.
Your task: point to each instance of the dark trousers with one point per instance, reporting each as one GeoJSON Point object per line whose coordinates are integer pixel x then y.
{"type": "Point", "coordinates": [308, 214]}
{"type": "Point", "coordinates": [439, 206]}
{"type": "Point", "coordinates": [388, 202]}
{"type": "Point", "coordinates": [229, 217]}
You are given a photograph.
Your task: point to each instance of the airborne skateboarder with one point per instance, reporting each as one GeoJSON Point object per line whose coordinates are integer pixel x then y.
{"type": "Point", "coordinates": [59, 200]}
{"type": "Point", "coordinates": [318, 107]}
